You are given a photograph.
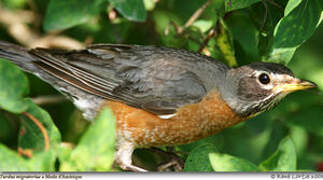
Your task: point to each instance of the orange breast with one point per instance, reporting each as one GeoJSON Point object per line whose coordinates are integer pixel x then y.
{"type": "Point", "coordinates": [191, 122]}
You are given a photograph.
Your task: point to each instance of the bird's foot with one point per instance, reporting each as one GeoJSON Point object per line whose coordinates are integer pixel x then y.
{"type": "Point", "coordinates": [175, 162]}
{"type": "Point", "coordinates": [177, 165]}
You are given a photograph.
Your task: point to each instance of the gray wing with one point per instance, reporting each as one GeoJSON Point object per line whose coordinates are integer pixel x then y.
{"type": "Point", "coordinates": [158, 80]}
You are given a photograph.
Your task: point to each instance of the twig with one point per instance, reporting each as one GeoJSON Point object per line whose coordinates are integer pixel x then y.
{"type": "Point", "coordinates": [57, 42]}
{"type": "Point", "coordinates": [178, 28]}
{"type": "Point", "coordinates": [275, 4]}
{"type": "Point", "coordinates": [211, 34]}
{"type": "Point", "coordinates": [265, 16]}
{"type": "Point", "coordinates": [16, 24]}
{"type": "Point", "coordinates": [197, 14]}
{"type": "Point", "coordinates": [50, 99]}
{"type": "Point", "coordinates": [192, 19]}
{"type": "Point", "coordinates": [41, 127]}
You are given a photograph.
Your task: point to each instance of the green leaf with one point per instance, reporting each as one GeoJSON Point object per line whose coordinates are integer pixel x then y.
{"type": "Point", "coordinates": [298, 24]}
{"type": "Point", "coordinates": [64, 14]}
{"type": "Point", "coordinates": [231, 5]}
{"type": "Point", "coordinates": [292, 4]}
{"type": "Point", "coordinates": [198, 159]}
{"type": "Point", "coordinates": [203, 25]}
{"type": "Point", "coordinates": [133, 10]}
{"type": "Point", "coordinates": [225, 162]}
{"type": "Point", "coordinates": [31, 136]}
{"type": "Point", "coordinates": [64, 152]}
{"type": "Point", "coordinates": [96, 148]}
{"type": "Point", "coordinates": [299, 135]}
{"type": "Point", "coordinates": [14, 3]}
{"type": "Point", "coordinates": [13, 86]}
{"type": "Point", "coordinates": [162, 21]}
{"type": "Point", "coordinates": [248, 39]}
{"type": "Point", "coordinates": [11, 161]}
{"type": "Point", "coordinates": [293, 29]}
{"type": "Point", "coordinates": [44, 161]}
{"type": "Point", "coordinates": [309, 118]}
{"type": "Point", "coordinates": [284, 159]}
{"type": "Point", "coordinates": [149, 4]}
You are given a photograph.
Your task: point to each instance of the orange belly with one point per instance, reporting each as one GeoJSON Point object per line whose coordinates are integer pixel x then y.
{"type": "Point", "coordinates": [191, 122]}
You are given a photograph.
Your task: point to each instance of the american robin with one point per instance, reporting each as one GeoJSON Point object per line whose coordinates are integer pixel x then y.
{"type": "Point", "coordinates": [160, 96]}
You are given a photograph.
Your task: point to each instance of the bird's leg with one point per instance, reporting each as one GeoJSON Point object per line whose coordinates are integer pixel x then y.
{"type": "Point", "coordinates": [123, 157]}
{"type": "Point", "coordinates": [175, 161]}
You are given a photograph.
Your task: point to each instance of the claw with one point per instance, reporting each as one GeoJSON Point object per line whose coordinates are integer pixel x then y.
{"type": "Point", "coordinates": [175, 161]}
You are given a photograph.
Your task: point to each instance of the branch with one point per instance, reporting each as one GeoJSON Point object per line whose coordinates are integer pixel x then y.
{"type": "Point", "coordinates": [17, 22]}
{"type": "Point", "coordinates": [197, 14]}
{"type": "Point", "coordinates": [50, 99]}
{"type": "Point", "coordinates": [211, 34]}
{"type": "Point", "coordinates": [193, 18]}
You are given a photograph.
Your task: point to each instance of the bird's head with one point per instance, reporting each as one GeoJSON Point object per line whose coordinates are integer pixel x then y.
{"type": "Point", "coordinates": [258, 87]}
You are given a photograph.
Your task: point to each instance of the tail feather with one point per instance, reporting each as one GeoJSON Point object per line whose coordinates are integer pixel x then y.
{"type": "Point", "coordinates": [18, 55]}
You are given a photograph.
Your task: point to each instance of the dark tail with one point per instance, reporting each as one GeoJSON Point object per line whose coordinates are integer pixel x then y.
{"type": "Point", "coordinates": [18, 55]}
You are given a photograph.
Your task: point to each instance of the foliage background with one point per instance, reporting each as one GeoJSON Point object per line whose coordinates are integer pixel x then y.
{"type": "Point", "coordinates": [237, 32]}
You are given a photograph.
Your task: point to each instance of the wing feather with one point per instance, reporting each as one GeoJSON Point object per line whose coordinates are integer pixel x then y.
{"type": "Point", "coordinates": [158, 80]}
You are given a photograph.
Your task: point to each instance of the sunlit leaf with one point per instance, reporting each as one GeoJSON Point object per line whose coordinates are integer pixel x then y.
{"type": "Point", "coordinates": [95, 150]}
{"type": "Point", "coordinates": [11, 161]}
{"type": "Point", "coordinates": [284, 159]}
{"type": "Point", "coordinates": [294, 28]}
{"type": "Point", "coordinates": [225, 162]}
{"type": "Point", "coordinates": [13, 86]}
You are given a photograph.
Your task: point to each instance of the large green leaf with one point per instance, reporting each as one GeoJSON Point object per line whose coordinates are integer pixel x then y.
{"type": "Point", "coordinates": [225, 162]}
{"type": "Point", "coordinates": [299, 23]}
{"type": "Point", "coordinates": [95, 150]}
{"type": "Point", "coordinates": [231, 5]}
{"type": "Point", "coordinates": [133, 10]}
{"type": "Point", "coordinates": [13, 86]}
{"type": "Point", "coordinates": [64, 14]}
{"type": "Point", "coordinates": [32, 136]}
{"type": "Point", "coordinates": [248, 38]}
{"type": "Point", "coordinates": [284, 159]}
{"type": "Point", "coordinates": [198, 159]}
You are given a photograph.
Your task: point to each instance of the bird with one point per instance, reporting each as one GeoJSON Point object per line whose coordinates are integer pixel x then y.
{"type": "Point", "coordinates": [160, 96]}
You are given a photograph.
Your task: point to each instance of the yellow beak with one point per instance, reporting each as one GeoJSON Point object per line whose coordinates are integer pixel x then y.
{"type": "Point", "coordinates": [296, 86]}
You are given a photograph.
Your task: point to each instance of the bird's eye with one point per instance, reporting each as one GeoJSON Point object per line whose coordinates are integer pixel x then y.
{"type": "Point", "coordinates": [264, 78]}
